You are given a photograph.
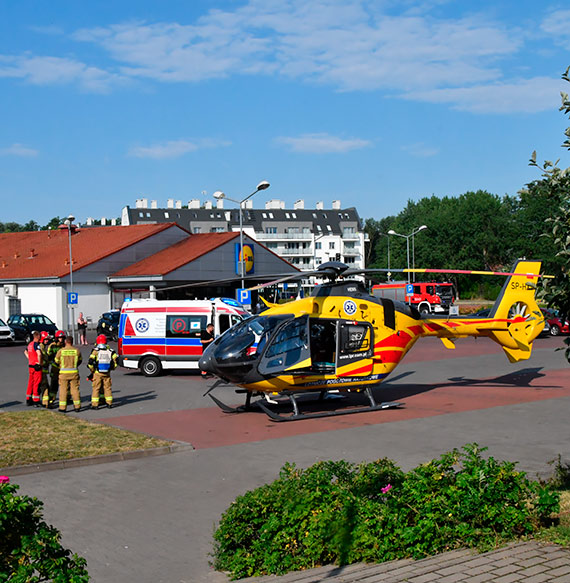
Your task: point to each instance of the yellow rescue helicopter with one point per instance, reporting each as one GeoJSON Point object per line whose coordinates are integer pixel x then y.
{"type": "Point", "coordinates": [342, 339]}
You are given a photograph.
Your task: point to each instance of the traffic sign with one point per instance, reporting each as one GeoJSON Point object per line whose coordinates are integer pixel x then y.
{"type": "Point", "coordinates": [72, 298]}
{"type": "Point", "coordinates": [244, 296]}
{"type": "Point", "coordinates": [409, 289]}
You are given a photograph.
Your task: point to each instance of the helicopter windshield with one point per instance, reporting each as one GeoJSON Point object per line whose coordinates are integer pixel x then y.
{"type": "Point", "coordinates": [246, 340]}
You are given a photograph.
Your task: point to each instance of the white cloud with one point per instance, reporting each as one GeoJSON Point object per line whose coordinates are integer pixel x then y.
{"type": "Point", "coordinates": [403, 49]}
{"type": "Point", "coordinates": [19, 150]}
{"type": "Point", "coordinates": [421, 150]}
{"type": "Point", "coordinates": [56, 70]}
{"type": "Point", "coordinates": [175, 148]}
{"type": "Point", "coordinates": [322, 143]}
{"type": "Point", "coordinates": [557, 24]}
{"type": "Point", "coordinates": [524, 96]}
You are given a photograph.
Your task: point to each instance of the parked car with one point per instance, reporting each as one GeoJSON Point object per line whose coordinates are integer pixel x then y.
{"type": "Point", "coordinates": [24, 324]}
{"type": "Point", "coordinates": [108, 324]}
{"type": "Point", "coordinates": [6, 333]}
{"type": "Point", "coordinates": [558, 324]}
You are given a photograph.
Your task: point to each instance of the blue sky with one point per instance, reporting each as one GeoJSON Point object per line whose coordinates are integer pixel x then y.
{"type": "Point", "coordinates": [372, 103]}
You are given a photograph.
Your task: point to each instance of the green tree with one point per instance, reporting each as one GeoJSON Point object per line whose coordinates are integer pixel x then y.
{"type": "Point", "coordinates": [556, 182]}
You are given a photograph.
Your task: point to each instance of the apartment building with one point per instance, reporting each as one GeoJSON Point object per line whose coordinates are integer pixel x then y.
{"type": "Point", "coordinates": [303, 237]}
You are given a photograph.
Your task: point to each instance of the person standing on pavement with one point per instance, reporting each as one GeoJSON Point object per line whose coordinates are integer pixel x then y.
{"type": "Point", "coordinates": [206, 338]}
{"type": "Point", "coordinates": [82, 327]}
{"type": "Point", "coordinates": [34, 356]}
{"type": "Point", "coordinates": [53, 349]}
{"type": "Point", "coordinates": [45, 341]}
{"type": "Point", "coordinates": [68, 359]}
{"type": "Point", "coordinates": [101, 362]}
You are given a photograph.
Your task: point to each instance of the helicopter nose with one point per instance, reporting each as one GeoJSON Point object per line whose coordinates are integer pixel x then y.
{"type": "Point", "coordinates": [207, 364]}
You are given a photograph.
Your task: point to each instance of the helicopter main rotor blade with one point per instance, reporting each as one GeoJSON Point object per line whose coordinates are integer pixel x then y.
{"type": "Point", "coordinates": [452, 271]}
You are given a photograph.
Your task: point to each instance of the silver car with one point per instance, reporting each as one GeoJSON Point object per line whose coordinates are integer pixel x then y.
{"type": "Point", "coordinates": [6, 333]}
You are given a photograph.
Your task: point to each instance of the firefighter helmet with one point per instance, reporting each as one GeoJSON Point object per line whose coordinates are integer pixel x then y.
{"type": "Point", "coordinates": [44, 335]}
{"type": "Point", "coordinates": [101, 339]}
{"type": "Point", "coordinates": [60, 334]}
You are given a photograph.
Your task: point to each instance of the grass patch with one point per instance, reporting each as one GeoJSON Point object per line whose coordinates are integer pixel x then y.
{"type": "Point", "coordinates": [32, 437]}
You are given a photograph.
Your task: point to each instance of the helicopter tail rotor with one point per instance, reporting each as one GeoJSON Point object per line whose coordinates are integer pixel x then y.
{"type": "Point", "coordinates": [517, 307]}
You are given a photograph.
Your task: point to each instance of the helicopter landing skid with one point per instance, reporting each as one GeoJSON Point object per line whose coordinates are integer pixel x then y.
{"type": "Point", "coordinates": [297, 415]}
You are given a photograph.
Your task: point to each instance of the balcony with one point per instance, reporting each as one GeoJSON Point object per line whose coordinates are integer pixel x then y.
{"type": "Point", "coordinates": [284, 236]}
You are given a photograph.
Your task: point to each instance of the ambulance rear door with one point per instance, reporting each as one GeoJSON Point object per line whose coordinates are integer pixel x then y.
{"type": "Point", "coordinates": [142, 330]}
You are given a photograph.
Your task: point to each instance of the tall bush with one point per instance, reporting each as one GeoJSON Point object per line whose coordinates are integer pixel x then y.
{"type": "Point", "coordinates": [30, 549]}
{"type": "Point", "coordinates": [337, 512]}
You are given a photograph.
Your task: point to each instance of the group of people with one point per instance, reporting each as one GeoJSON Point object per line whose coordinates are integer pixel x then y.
{"type": "Point", "coordinates": [53, 365]}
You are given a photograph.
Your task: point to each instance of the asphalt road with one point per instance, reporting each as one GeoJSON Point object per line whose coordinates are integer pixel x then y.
{"type": "Point", "coordinates": [151, 519]}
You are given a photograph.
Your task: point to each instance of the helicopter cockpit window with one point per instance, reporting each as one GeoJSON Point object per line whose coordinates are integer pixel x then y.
{"type": "Point", "coordinates": [288, 347]}
{"type": "Point", "coordinates": [246, 340]}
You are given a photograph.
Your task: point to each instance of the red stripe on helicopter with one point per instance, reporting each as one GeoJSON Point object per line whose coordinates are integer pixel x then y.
{"type": "Point", "coordinates": [389, 356]}
{"type": "Point", "coordinates": [367, 369]}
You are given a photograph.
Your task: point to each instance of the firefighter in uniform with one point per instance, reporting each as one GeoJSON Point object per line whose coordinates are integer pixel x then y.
{"type": "Point", "coordinates": [34, 356]}
{"type": "Point", "coordinates": [45, 341]}
{"type": "Point", "coordinates": [53, 349]}
{"type": "Point", "coordinates": [68, 360]}
{"type": "Point", "coordinates": [101, 362]}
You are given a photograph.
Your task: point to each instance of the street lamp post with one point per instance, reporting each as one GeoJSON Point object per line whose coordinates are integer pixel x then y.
{"type": "Point", "coordinates": [69, 222]}
{"type": "Point", "coordinates": [263, 185]}
{"type": "Point", "coordinates": [407, 237]}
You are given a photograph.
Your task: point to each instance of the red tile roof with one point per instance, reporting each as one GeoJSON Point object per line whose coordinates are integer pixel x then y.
{"type": "Point", "coordinates": [177, 255]}
{"type": "Point", "coordinates": [39, 254]}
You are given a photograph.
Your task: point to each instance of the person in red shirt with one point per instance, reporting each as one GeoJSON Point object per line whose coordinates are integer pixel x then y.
{"type": "Point", "coordinates": [34, 356]}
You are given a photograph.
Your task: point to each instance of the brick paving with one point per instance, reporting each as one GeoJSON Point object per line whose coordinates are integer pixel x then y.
{"type": "Point", "coordinates": [531, 562]}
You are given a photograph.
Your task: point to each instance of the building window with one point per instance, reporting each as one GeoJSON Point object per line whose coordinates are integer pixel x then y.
{"type": "Point", "coordinates": [348, 260]}
{"type": "Point", "coordinates": [264, 215]}
{"type": "Point", "coordinates": [318, 245]}
{"type": "Point", "coordinates": [348, 230]}
{"type": "Point", "coordinates": [271, 230]}
{"type": "Point", "coordinates": [141, 215]}
{"type": "Point", "coordinates": [166, 215]}
{"type": "Point", "coordinates": [294, 215]}
{"type": "Point", "coordinates": [287, 216]}
{"type": "Point", "coordinates": [331, 245]}
{"type": "Point", "coordinates": [329, 229]}
{"type": "Point", "coordinates": [270, 215]}
{"type": "Point", "coordinates": [314, 215]}
{"type": "Point", "coordinates": [197, 230]}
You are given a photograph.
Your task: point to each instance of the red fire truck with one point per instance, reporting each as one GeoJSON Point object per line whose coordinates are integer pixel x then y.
{"type": "Point", "coordinates": [427, 297]}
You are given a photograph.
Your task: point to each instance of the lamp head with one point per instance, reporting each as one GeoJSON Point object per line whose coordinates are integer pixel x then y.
{"type": "Point", "coordinates": [392, 232]}
{"type": "Point", "coordinates": [263, 185]}
{"type": "Point", "coordinates": [71, 218]}
{"type": "Point", "coordinates": [422, 228]}
{"type": "Point", "coordinates": [219, 194]}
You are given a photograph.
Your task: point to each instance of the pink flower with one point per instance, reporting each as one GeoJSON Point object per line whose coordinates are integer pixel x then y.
{"type": "Point", "coordinates": [4, 480]}
{"type": "Point", "coordinates": [386, 489]}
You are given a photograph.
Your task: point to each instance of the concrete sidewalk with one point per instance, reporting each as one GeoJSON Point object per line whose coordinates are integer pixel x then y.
{"type": "Point", "coordinates": [531, 562]}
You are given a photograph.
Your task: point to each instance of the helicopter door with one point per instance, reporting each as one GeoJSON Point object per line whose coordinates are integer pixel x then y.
{"type": "Point", "coordinates": [355, 348]}
{"type": "Point", "coordinates": [289, 348]}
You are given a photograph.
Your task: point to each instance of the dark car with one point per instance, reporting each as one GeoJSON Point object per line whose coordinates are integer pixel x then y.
{"type": "Point", "coordinates": [108, 324]}
{"type": "Point", "coordinates": [24, 324]}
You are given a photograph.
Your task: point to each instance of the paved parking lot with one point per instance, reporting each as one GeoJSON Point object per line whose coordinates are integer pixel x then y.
{"type": "Point", "coordinates": [151, 519]}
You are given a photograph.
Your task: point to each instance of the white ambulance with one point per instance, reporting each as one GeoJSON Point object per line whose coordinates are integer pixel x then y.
{"type": "Point", "coordinates": [165, 334]}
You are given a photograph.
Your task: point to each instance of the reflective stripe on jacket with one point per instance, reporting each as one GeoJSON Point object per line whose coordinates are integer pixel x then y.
{"type": "Point", "coordinates": [68, 359]}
